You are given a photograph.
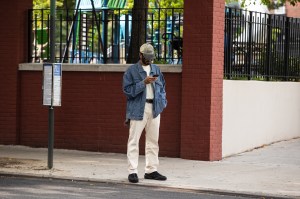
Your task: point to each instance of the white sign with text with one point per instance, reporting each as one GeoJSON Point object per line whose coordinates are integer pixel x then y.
{"type": "Point", "coordinates": [52, 84]}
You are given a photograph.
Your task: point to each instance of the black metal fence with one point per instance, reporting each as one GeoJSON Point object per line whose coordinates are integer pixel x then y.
{"type": "Point", "coordinates": [256, 46]}
{"type": "Point", "coordinates": [261, 46]}
{"type": "Point", "coordinates": [103, 35]}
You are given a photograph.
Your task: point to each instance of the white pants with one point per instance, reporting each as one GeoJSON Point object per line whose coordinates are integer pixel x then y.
{"type": "Point", "coordinates": [151, 126]}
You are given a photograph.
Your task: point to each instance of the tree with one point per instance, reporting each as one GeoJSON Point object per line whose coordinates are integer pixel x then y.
{"type": "Point", "coordinates": [138, 32]}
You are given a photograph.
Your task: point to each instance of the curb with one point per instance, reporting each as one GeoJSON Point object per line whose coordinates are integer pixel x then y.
{"type": "Point", "coordinates": [202, 190]}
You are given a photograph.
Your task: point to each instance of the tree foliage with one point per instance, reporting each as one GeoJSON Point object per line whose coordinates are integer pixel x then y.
{"type": "Point", "coordinates": [45, 4]}
{"type": "Point", "coordinates": [269, 3]}
{"type": "Point", "coordinates": [160, 3]}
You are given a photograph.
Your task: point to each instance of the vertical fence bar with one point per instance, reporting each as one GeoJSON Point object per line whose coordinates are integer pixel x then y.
{"type": "Point", "coordinates": [60, 35]}
{"type": "Point", "coordinates": [86, 49]}
{"type": "Point", "coordinates": [291, 50]}
{"type": "Point", "coordinates": [111, 46]}
{"type": "Point", "coordinates": [244, 47]}
{"type": "Point", "coordinates": [179, 34]}
{"type": "Point", "coordinates": [115, 38]}
{"type": "Point", "coordinates": [35, 38]}
{"type": "Point", "coordinates": [286, 47]}
{"type": "Point", "coordinates": [66, 48]}
{"type": "Point", "coordinates": [253, 45]}
{"type": "Point", "coordinates": [166, 56]}
{"type": "Point", "coordinates": [298, 47]}
{"type": "Point", "coordinates": [104, 32]}
{"type": "Point", "coordinates": [46, 47]}
{"type": "Point", "coordinates": [42, 36]}
{"type": "Point", "coordinates": [173, 35]}
{"type": "Point", "coordinates": [228, 44]}
{"type": "Point", "coordinates": [119, 36]}
{"type": "Point", "coordinates": [268, 50]}
{"type": "Point", "coordinates": [93, 39]}
{"type": "Point", "coordinates": [73, 34]}
{"type": "Point", "coordinates": [280, 56]}
{"type": "Point", "coordinates": [276, 51]}
{"type": "Point", "coordinates": [152, 29]}
{"type": "Point", "coordinates": [126, 35]}
{"type": "Point", "coordinates": [80, 37]}
{"type": "Point", "coordinates": [266, 24]}
{"type": "Point", "coordinates": [99, 40]}
{"type": "Point", "coordinates": [249, 48]}
{"type": "Point", "coordinates": [158, 35]}
{"type": "Point", "coordinates": [30, 38]}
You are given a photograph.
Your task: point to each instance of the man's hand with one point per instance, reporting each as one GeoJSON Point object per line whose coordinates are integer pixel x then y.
{"type": "Point", "coordinates": [149, 79]}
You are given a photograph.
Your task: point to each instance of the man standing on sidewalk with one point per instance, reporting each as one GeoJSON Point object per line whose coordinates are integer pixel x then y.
{"type": "Point", "coordinates": [144, 87]}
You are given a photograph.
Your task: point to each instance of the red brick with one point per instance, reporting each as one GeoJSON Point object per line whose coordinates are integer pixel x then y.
{"type": "Point", "coordinates": [201, 122]}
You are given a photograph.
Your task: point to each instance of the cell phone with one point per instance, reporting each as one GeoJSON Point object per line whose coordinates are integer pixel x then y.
{"type": "Point", "coordinates": [155, 75]}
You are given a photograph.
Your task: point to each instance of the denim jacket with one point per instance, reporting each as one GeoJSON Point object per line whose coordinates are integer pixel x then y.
{"type": "Point", "coordinates": [135, 90]}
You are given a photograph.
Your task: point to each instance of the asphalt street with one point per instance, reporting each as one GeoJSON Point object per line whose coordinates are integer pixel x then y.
{"type": "Point", "coordinates": [46, 188]}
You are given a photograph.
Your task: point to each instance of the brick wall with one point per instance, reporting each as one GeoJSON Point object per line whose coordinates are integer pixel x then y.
{"type": "Point", "coordinates": [202, 78]}
{"type": "Point", "coordinates": [92, 113]}
{"type": "Point", "coordinates": [13, 50]}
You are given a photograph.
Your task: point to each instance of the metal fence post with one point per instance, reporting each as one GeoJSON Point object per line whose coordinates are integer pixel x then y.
{"type": "Point", "coordinates": [268, 50]}
{"type": "Point", "coordinates": [228, 45]}
{"type": "Point", "coordinates": [126, 35]}
{"type": "Point", "coordinates": [30, 38]}
{"type": "Point", "coordinates": [249, 47]}
{"type": "Point", "coordinates": [286, 48]}
{"type": "Point", "coordinates": [104, 30]}
{"type": "Point", "coordinates": [115, 50]}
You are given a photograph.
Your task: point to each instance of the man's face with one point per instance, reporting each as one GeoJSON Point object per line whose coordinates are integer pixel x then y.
{"type": "Point", "coordinates": [144, 60]}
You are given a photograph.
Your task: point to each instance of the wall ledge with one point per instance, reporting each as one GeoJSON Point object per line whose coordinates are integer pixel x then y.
{"type": "Point", "coordinates": [165, 68]}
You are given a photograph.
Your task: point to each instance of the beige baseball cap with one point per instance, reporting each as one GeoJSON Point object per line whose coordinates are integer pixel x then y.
{"type": "Point", "coordinates": [148, 51]}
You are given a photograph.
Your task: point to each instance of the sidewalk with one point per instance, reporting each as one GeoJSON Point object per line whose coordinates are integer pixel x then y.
{"type": "Point", "coordinates": [272, 171]}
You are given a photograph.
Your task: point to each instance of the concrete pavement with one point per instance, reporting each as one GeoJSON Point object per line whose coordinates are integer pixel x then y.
{"type": "Point", "coordinates": [270, 171]}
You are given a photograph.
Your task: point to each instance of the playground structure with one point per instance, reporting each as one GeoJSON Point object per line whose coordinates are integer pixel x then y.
{"type": "Point", "coordinates": [97, 32]}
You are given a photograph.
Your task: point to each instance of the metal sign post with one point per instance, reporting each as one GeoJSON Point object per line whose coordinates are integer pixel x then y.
{"type": "Point", "coordinates": [52, 83]}
{"type": "Point", "coordinates": [51, 109]}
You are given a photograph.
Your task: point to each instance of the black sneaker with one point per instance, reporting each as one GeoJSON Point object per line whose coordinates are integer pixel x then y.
{"type": "Point", "coordinates": [155, 176]}
{"type": "Point", "coordinates": [133, 178]}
